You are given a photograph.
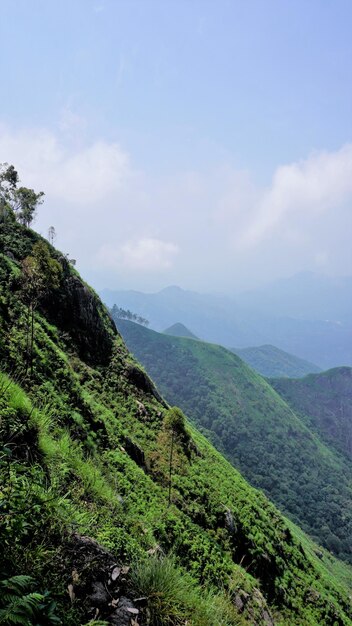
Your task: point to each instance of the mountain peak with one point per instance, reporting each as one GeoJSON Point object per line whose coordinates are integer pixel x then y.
{"type": "Point", "coordinates": [179, 330]}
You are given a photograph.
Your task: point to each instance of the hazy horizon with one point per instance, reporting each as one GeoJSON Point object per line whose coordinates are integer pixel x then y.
{"type": "Point", "coordinates": [216, 292]}
{"type": "Point", "coordinates": [202, 144]}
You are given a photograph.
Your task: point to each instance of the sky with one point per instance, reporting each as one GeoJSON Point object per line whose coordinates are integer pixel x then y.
{"type": "Point", "coordinates": [203, 143]}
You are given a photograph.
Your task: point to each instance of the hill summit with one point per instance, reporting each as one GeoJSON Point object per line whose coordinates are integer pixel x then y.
{"type": "Point", "coordinates": [179, 330]}
{"type": "Point", "coordinates": [273, 362]}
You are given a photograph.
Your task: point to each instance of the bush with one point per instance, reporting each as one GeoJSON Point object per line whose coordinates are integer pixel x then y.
{"type": "Point", "coordinates": [173, 599]}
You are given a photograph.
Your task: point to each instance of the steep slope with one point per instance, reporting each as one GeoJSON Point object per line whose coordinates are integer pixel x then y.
{"type": "Point", "coordinates": [325, 403]}
{"type": "Point", "coordinates": [89, 448]}
{"type": "Point", "coordinates": [179, 330]}
{"type": "Point", "coordinates": [259, 433]}
{"type": "Point", "coordinates": [273, 362]}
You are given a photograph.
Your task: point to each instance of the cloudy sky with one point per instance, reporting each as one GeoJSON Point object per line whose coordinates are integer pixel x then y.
{"type": "Point", "coordinates": [204, 143]}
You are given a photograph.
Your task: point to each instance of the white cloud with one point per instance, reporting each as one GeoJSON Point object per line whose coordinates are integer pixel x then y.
{"type": "Point", "coordinates": [121, 224]}
{"type": "Point", "coordinates": [318, 184]}
{"type": "Point", "coordinates": [147, 254]}
{"type": "Point", "coordinates": [79, 177]}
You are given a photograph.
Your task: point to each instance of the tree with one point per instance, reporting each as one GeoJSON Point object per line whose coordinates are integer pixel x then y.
{"type": "Point", "coordinates": [26, 202]}
{"type": "Point", "coordinates": [22, 201]}
{"type": "Point", "coordinates": [51, 235]}
{"type": "Point", "coordinates": [119, 313]}
{"type": "Point", "coordinates": [174, 424]}
{"type": "Point", "coordinates": [8, 183]}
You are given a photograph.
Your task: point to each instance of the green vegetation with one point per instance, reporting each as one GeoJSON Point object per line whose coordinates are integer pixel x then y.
{"type": "Point", "coordinates": [85, 485]}
{"type": "Point", "coordinates": [258, 432]}
{"type": "Point", "coordinates": [20, 605]}
{"type": "Point", "coordinates": [16, 202]}
{"type": "Point", "coordinates": [173, 599]}
{"type": "Point", "coordinates": [271, 361]}
{"type": "Point", "coordinates": [119, 313]}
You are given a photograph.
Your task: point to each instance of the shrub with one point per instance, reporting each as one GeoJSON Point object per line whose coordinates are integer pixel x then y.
{"type": "Point", "coordinates": [173, 599]}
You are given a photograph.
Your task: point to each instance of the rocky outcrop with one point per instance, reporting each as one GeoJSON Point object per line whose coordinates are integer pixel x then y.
{"type": "Point", "coordinates": [253, 605]}
{"type": "Point", "coordinates": [99, 586]}
{"type": "Point", "coordinates": [137, 377]}
{"type": "Point", "coordinates": [75, 309]}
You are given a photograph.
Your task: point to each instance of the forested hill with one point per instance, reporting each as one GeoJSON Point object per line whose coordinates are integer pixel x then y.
{"type": "Point", "coordinates": [100, 480]}
{"type": "Point", "coordinates": [260, 434]}
{"type": "Point", "coordinates": [273, 362]}
{"type": "Point", "coordinates": [325, 403]}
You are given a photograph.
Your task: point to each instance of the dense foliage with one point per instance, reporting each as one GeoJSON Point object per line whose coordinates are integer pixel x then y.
{"type": "Point", "coordinates": [256, 429]}
{"type": "Point", "coordinates": [85, 451]}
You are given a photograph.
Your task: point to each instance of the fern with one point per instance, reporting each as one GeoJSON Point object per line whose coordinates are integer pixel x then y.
{"type": "Point", "coordinates": [16, 584]}
{"type": "Point", "coordinates": [20, 610]}
{"type": "Point", "coordinates": [19, 606]}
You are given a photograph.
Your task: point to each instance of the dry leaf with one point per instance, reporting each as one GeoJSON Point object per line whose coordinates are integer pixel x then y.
{"type": "Point", "coordinates": [154, 550]}
{"type": "Point", "coordinates": [133, 611]}
{"type": "Point", "coordinates": [125, 569]}
{"type": "Point", "coordinates": [71, 593]}
{"type": "Point", "coordinates": [116, 573]}
{"type": "Point", "coordinates": [75, 576]}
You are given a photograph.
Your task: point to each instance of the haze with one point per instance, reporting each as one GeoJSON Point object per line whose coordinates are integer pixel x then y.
{"type": "Point", "coordinates": [203, 144]}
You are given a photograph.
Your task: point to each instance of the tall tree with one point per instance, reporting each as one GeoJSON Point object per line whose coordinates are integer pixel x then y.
{"type": "Point", "coordinates": [51, 235]}
{"type": "Point", "coordinates": [22, 201]}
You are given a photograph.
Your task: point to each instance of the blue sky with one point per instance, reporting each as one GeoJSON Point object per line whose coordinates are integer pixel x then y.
{"type": "Point", "coordinates": [178, 141]}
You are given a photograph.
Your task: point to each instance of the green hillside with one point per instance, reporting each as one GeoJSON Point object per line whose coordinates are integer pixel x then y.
{"type": "Point", "coordinates": [255, 428]}
{"type": "Point", "coordinates": [100, 481]}
{"type": "Point", "coordinates": [273, 362]}
{"type": "Point", "coordinates": [325, 403]}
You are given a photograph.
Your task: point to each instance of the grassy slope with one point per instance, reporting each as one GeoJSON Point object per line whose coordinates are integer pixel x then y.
{"type": "Point", "coordinates": [70, 439]}
{"type": "Point", "coordinates": [271, 361]}
{"type": "Point", "coordinates": [325, 403]}
{"type": "Point", "coordinates": [256, 429]}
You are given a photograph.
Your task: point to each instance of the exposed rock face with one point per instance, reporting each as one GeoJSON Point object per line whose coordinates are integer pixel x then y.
{"type": "Point", "coordinates": [139, 379]}
{"type": "Point", "coordinates": [135, 452]}
{"type": "Point", "coordinates": [100, 585]}
{"type": "Point", "coordinates": [254, 606]}
{"type": "Point", "coordinates": [75, 309]}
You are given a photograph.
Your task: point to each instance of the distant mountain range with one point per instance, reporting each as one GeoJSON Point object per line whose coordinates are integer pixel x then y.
{"type": "Point", "coordinates": [308, 316]}
{"type": "Point", "coordinates": [276, 448]}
